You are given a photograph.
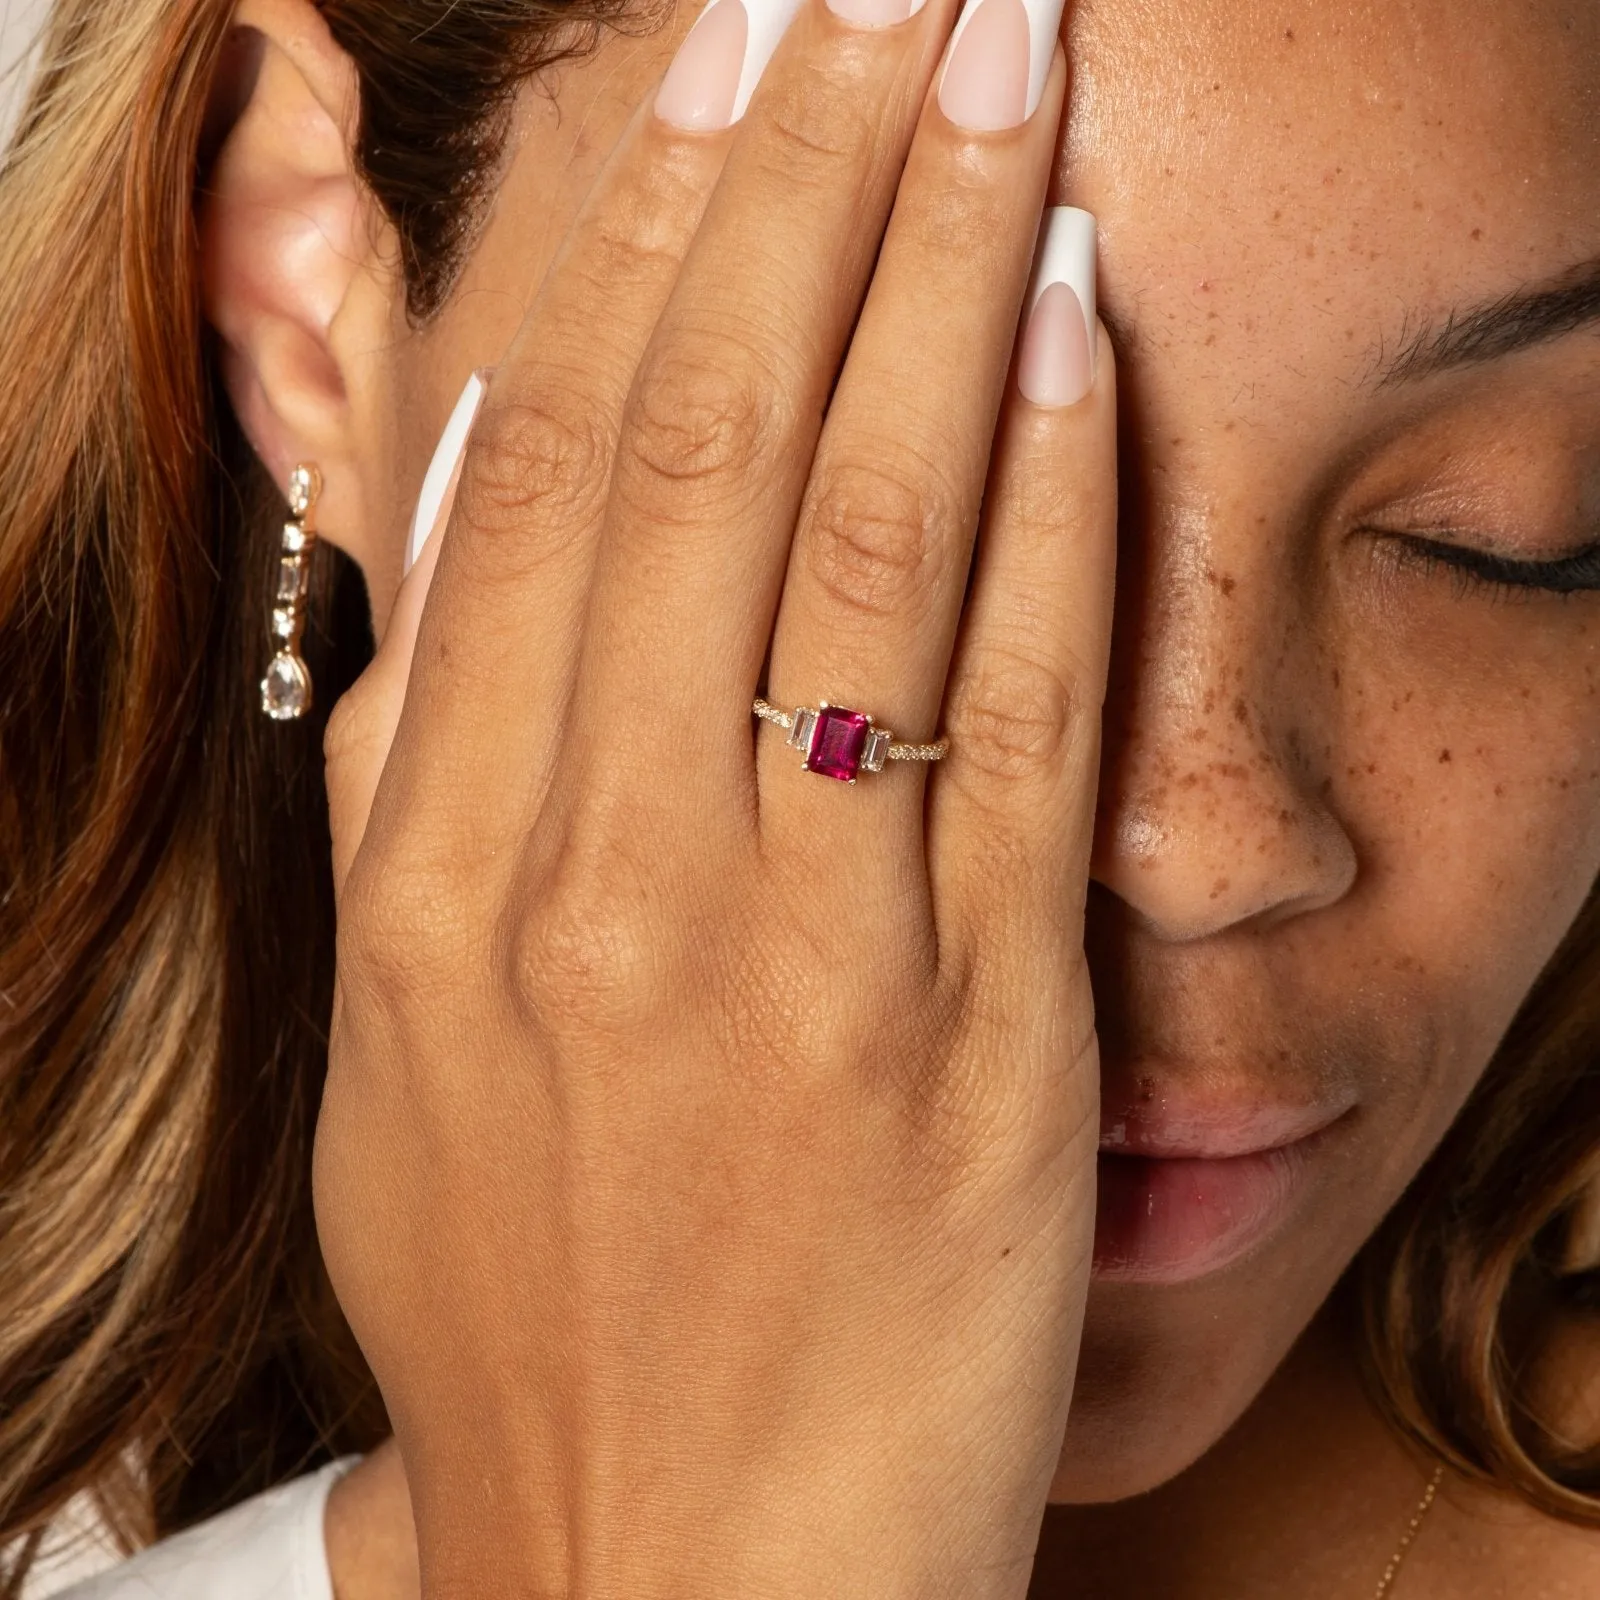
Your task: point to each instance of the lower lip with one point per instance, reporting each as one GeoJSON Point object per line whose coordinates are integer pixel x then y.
{"type": "Point", "coordinates": [1170, 1220]}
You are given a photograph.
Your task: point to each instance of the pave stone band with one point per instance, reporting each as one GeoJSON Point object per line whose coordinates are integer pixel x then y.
{"type": "Point", "coordinates": [840, 743]}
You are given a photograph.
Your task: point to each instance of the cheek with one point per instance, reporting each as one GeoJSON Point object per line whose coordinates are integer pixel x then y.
{"type": "Point", "coordinates": [1470, 776]}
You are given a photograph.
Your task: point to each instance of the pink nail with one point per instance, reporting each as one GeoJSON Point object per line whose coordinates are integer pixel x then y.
{"type": "Point", "coordinates": [702, 84]}
{"type": "Point", "coordinates": [999, 60]}
{"type": "Point", "coordinates": [875, 13]}
{"type": "Point", "coordinates": [1053, 366]}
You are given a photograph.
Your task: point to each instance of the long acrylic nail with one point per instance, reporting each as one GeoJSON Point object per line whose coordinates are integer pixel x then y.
{"type": "Point", "coordinates": [998, 61]}
{"type": "Point", "coordinates": [720, 62]}
{"type": "Point", "coordinates": [444, 471]}
{"type": "Point", "coordinates": [1055, 364]}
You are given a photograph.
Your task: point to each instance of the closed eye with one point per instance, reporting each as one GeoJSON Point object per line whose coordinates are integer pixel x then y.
{"type": "Point", "coordinates": [1564, 575]}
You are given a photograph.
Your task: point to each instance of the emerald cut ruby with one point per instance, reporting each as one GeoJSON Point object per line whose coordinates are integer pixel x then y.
{"type": "Point", "coordinates": [836, 743]}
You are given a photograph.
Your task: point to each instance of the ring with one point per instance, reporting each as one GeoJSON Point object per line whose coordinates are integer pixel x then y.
{"type": "Point", "coordinates": [840, 743]}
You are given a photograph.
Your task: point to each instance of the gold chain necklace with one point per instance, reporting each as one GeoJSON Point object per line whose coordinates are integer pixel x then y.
{"type": "Point", "coordinates": [1392, 1571]}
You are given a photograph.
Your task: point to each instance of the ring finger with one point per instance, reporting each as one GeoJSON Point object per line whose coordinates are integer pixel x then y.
{"type": "Point", "coordinates": [879, 565]}
{"type": "Point", "coordinates": [724, 414]}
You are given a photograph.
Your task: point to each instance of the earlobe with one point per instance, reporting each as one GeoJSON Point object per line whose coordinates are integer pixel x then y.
{"type": "Point", "coordinates": [289, 247]}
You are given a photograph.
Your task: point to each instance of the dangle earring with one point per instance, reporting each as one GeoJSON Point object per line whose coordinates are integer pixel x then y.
{"type": "Point", "coordinates": [286, 689]}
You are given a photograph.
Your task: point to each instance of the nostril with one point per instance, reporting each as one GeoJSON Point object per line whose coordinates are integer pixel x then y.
{"type": "Point", "coordinates": [1190, 860]}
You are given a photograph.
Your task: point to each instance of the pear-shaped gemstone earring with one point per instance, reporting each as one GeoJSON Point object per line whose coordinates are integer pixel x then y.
{"type": "Point", "coordinates": [286, 689]}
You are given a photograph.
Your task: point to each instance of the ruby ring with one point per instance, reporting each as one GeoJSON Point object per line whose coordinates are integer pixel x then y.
{"type": "Point", "coordinates": [840, 743]}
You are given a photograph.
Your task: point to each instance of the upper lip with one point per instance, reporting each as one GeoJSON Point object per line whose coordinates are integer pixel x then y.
{"type": "Point", "coordinates": [1161, 1112]}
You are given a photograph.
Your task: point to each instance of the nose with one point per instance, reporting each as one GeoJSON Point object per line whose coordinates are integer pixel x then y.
{"type": "Point", "coordinates": [1212, 813]}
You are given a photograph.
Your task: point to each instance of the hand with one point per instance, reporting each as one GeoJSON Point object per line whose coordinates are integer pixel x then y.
{"type": "Point", "coordinates": [707, 1158]}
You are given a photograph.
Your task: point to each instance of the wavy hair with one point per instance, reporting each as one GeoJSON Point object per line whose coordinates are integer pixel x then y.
{"type": "Point", "coordinates": [168, 1340]}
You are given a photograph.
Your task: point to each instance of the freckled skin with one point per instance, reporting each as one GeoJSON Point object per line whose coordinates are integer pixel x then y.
{"type": "Point", "coordinates": [1362, 801]}
{"type": "Point", "coordinates": [1349, 806]}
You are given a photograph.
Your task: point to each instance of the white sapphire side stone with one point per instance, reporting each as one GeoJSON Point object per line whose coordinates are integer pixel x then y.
{"type": "Point", "coordinates": [876, 749]}
{"type": "Point", "coordinates": [805, 725]}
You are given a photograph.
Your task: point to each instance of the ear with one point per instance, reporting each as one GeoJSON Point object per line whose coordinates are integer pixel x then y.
{"type": "Point", "coordinates": [292, 258]}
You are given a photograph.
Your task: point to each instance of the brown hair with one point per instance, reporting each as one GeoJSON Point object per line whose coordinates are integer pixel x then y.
{"type": "Point", "coordinates": [167, 1338]}
{"type": "Point", "coordinates": [1464, 1284]}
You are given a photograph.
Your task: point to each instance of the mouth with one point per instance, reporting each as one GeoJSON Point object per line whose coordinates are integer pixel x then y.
{"type": "Point", "coordinates": [1194, 1177]}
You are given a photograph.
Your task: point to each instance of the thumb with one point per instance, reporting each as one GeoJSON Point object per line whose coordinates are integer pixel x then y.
{"type": "Point", "coordinates": [361, 726]}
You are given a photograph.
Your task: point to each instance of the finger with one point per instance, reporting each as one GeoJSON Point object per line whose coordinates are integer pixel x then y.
{"type": "Point", "coordinates": [361, 727]}
{"type": "Point", "coordinates": [723, 418]}
{"type": "Point", "coordinates": [1011, 810]}
{"type": "Point", "coordinates": [879, 567]}
{"type": "Point", "coordinates": [497, 646]}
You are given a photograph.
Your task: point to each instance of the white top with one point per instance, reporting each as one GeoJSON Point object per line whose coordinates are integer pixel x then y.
{"type": "Point", "coordinates": [266, 1548]}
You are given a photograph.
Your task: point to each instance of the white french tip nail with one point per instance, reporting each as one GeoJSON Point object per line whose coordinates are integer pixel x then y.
{"type": "Point", "coordinates": [768, 22]}
{"type": "Point", "coordinates": [446, 457]}
{"type": "Point", "coordinates": [1066, 254]}
{"type": "Point", "coordinates": [1044, 27]}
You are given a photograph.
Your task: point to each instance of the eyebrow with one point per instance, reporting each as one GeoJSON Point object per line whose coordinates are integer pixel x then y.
{"type": "Point", "coordinates": [1497, 328]}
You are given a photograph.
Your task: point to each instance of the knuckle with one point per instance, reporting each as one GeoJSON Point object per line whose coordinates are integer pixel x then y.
{"type": "Point", "coordinates": [536, 459]}
{"type": "Point", "coordinates": [1014, 716]}
{"type": "Point", "coordinates": [816, 124]}
{"type": "Point", "coordinates": [586, 943]}
{"type": "Point", "coordinates": [697, 417]}
{"type": "Point", "coordinates": [1045, 500]}
{"type": "Point", "coordinates": [584, 965]}
{"type": "Point", "coordinates": [640, 238]}
{"type": "Point", "coordinates": [402, 929]}
{"type": "Point", "coordinates": [874, 538]}
{"type": "Point", "coordinates": [615, 256]}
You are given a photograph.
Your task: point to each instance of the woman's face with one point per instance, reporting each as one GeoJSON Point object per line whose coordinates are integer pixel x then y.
{"type": "Point", "coordinates": [1351, 787]}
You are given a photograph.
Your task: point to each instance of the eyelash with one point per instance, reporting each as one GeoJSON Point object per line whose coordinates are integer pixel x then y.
{"type": "Point", "coordinates": [1477, 569]}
